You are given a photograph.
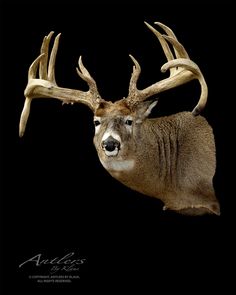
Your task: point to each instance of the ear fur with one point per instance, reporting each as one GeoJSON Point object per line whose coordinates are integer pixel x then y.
{"type": "Point", "coordinates": [143, 110]}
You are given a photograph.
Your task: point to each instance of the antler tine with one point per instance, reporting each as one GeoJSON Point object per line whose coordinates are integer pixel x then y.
{"type": "Point", "coordinates": [166, 29]}
{"type": "Point", "coordinates": [24, 116]}
{"type": "Point", "coordinates": [182, 70]}
{"type": "Point", "coordinates": [52, 60]}
{"type": "Point", "coordinates": [179, 49]}
{"type": "Point", "coordinates": [179, 52]}
{"type": "Point", "coordinates": [26, 108]}
{"type": "Point", "coordinates": [85, 75]}
{"type": "Point", "coordinates": [164, 44]}
{"type": "Point", "coordinates": [34, 67]}
{"type": "Point", "coordinates": [44, 50]}
{"type": "Point", "coordinates": [134, 77]}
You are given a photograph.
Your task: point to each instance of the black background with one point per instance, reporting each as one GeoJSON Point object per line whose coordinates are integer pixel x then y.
{"type": "Point", "coordinates": [56, 197]}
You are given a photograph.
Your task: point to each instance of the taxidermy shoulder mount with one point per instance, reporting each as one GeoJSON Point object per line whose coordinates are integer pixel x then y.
{"type": "Point", "coordinates": [171, 158]}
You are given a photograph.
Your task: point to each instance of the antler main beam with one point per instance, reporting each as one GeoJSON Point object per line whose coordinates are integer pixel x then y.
{"type": "Point", "coordinates": [182, 70]}
{"type": "Point", "coordinates": [46, 86]}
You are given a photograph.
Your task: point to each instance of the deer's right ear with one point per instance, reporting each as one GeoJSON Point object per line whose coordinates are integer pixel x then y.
{"type": "Point", "coordinates": [143, 109]}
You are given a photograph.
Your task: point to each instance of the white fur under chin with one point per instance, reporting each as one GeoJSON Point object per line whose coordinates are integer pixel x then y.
{"type": "Point", "coordinates": [118, 165]}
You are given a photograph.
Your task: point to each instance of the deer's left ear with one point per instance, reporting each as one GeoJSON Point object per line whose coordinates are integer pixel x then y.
{"type": "Point", "coordinates": [143, 109]}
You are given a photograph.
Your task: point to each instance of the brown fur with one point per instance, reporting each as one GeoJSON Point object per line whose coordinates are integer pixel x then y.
{"type": "Point", "coordinates": [174, 159]}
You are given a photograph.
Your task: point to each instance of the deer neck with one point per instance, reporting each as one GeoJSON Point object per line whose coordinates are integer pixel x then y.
{"type": "Point", "coordinates": [148, 169]}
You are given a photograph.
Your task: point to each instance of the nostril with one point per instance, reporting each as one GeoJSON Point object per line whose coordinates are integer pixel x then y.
{"type": "Point", "coordinates": [111, 144]}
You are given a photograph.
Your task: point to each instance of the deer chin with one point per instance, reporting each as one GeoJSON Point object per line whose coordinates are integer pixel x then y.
{"type": "Point", "coordinates": [114, 165]}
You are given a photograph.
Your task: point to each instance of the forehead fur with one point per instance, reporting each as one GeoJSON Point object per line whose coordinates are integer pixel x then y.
{"type": "Point", "coordinates": [117, 108]}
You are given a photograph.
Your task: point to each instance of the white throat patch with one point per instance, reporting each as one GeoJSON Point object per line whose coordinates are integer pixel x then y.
{"type": "Point", "coordinates": [118, 165]}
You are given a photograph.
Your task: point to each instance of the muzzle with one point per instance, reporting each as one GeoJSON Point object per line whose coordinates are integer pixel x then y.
{"type": "Point", "coordinates": [111, 146]}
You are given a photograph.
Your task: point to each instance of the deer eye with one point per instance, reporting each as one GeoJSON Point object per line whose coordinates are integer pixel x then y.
{"type": "Point", "coordinates": [96, 122]}
{"type": "Point", "coordinates": [128, 122]}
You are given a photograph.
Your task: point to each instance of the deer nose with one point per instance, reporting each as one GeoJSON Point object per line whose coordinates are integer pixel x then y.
{"type": "Point", "coordinates": [110, 144]}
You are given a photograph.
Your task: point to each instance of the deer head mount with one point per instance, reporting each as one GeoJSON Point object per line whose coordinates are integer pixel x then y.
{"type": "Point", "coordinates": [170, 158]}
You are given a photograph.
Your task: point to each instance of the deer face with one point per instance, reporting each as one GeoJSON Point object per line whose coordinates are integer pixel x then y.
{"type": "Point", "coordinates": [116, 127]}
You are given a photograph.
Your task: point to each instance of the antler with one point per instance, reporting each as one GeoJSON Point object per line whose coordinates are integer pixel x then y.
{"type": "Point", "coordinates": [182, 70]}
{"type": "Point", "coordinates": [45, 85]}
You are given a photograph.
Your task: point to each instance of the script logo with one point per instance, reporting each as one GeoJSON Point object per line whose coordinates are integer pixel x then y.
{"type": "Point", "coordinates": [67, 263]}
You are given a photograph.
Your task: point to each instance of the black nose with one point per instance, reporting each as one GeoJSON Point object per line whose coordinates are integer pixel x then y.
{"type": "Point", "coordinates": [110, 144]}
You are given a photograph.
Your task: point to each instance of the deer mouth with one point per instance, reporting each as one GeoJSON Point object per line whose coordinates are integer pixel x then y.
{"type": "Point", "coordinates": [113, 153]}
{"type": "Point", "coordinates": [111, 146]}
